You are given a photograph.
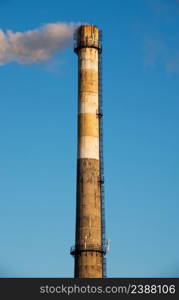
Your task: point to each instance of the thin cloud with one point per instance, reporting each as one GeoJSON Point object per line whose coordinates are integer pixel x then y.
{"type": "Point", "coordinates": [161, 47]}
{"type": "Point", "coordinates": [157, 52]}
{"type": "Point", "coordinates": [153, 49]}
{"type": "Point", "coordinates": [172, 65]}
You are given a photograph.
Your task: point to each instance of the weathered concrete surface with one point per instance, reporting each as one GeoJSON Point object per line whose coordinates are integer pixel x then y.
{"type": "Point", "coordinates": [88, 221]}
{"type": "Point", "coordinates": [88, 254]}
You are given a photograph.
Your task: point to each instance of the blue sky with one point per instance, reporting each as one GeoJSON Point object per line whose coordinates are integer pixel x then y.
{"type": "Point", "coordinates": [38, 118]}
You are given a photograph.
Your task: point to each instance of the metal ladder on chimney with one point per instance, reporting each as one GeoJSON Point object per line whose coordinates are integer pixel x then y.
{"type": "Point", "coordinates": [102, 194]}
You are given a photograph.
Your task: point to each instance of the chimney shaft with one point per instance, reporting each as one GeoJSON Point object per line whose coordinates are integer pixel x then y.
{"type": "Point", "coordinates": [88, 251]}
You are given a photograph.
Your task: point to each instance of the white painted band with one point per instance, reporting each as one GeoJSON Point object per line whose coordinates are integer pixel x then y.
{"type": "Point", "coordinates": [88, 108]}
{"type": "Point", "coordinates": [89, 53]}
{"type": "Point", "coordinates": [89, 64]}
{"type": "Point", "coordinates": [88, 147]}
{"type": "Point", "coordinates": [88, 103]}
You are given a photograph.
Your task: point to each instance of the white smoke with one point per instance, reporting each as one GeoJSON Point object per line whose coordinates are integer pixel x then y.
{"type": "Point", "coordinates": [36, 45]}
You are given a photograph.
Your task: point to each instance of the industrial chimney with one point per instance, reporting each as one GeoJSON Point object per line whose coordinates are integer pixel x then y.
{"type": "Point", "coordinates": [89, 250]}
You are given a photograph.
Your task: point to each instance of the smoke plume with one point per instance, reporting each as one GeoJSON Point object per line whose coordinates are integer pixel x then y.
{"type": "Point", "coordinates": [35, 46]}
